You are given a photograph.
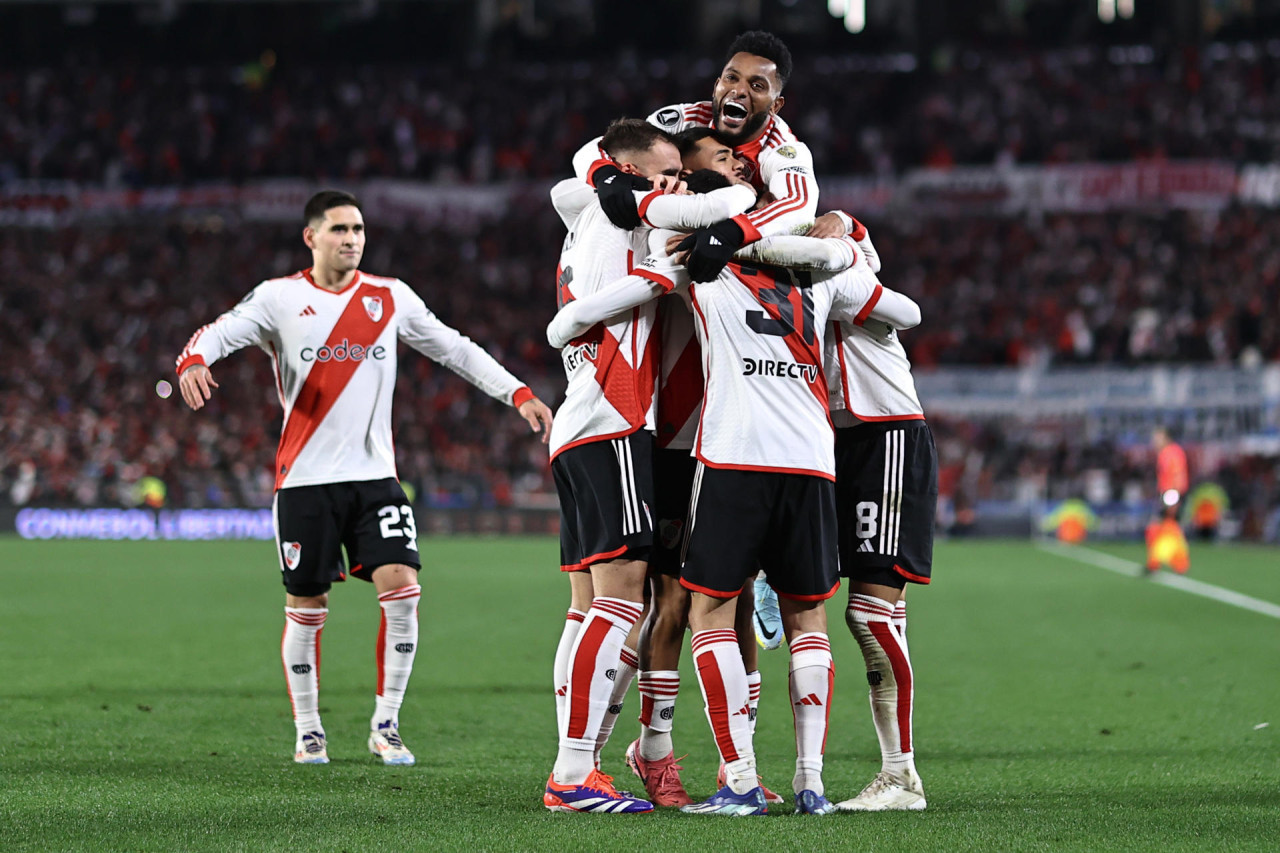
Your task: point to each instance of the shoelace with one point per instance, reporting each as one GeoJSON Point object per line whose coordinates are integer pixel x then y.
{"type": "Point", "coordinates": [312, 744]}
{"type": "Point", "coordinates": [597, 781]}
{"type": "Point", "coordinates": [393, 737]}
{"type": "Point", "coordinates": [669, 779]}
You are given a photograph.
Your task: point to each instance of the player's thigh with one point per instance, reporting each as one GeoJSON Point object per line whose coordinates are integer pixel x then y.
{"type": "Point", "coordinates": [606, 498]}
{"type": "Point", "coordinates": [380, 527]}
{"type": "Point", "coordinates": [800, 547]}
{"type": "Point", "coordinates": [308, 541]}
{"type": "Point", "coordinates": [673, 472]}
{"type": "Point", "coordinates": [886, 501]}
{"type": "Point", "coordinates": [728, 519]}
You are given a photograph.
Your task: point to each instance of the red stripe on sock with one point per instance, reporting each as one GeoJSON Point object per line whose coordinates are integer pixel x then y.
{"type": "Point", "coordinates": [583, 667]}
{"type": "Point", "coordinates": [717, 703]}
{"type": "Point", "coordinates": [888, 640]}
{"type": "Point", "coordinates": [382, 646]}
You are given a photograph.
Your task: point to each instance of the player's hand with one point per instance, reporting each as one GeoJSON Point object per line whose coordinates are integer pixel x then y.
{"type": "Point", "coordinates": [538, 416]}
{"type": "Point", "coordinates": [862, 237]}
{"type": "Point", "coordinates": [615, 190]}
{"type": "Point", "coordinates": [711, 248]}
{"type": "Point", "coordinates": [196, 384]}
{"type": "Point", "coordinates": [673, 247]}
{"type": "Point", "coordinates": [826, 225]}
{"type": "Point", "coordinates": [669, 185]}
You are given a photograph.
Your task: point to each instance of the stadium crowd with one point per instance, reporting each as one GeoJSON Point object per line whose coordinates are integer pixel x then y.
{"type": "Point", "coordinates": [104, 309]}
{"type": "Point", "coordinates": [152, 126]}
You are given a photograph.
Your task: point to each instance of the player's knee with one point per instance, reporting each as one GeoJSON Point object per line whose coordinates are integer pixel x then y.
{"type": "Point", "coordinates": [394, 576]}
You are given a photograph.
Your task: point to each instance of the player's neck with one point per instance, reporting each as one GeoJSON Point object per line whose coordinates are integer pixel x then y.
{"type": "Point", "coordinates": [334, 280]}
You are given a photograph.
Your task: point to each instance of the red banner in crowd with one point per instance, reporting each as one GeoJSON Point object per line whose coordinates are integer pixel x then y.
{"type": "Point", "coordinates": [1082, 187]}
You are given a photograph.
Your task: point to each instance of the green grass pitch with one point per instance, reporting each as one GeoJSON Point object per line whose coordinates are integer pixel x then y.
{"type": "Point", "coordinates": [1059, 707]}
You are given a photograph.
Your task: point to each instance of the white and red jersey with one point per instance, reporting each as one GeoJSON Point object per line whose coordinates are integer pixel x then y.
{"type": "Point", "coordinates": [869, 375]}
{"type": "Point", "coordinates": [780, 163]}
{"type": "Point", "coordinates": [765, 405]}
{"type": "Point", "coordinates": [334, 356]}
{"type": "Point", "coordinates": [613, 369]}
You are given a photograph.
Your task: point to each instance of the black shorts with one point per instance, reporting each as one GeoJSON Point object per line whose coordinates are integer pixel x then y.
{"type": "Point", "coordinates": [673, 485]}
{"type": "Point", "coordinates": [886, 501]}
{"type": "Point", "coordinates": [371, 519]}
{"type": "Point", "coordinates": [742, 520]}
{"type": "Point", "coordinates": [606, 491]}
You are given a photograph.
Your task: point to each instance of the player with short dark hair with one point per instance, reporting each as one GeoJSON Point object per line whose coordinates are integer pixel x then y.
{"type": "Point", "coordinates": [745, 101]}
{"type": "Point", "coordinates": [886, 502]}
{"type": "Point", "coordinates": [709, 163]}
{"type": "Point", "coordinates": [331, 331]}
{"type": "Point", "coordinates": [601, 452]}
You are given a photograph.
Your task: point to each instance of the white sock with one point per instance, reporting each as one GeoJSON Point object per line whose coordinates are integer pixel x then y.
{"type": "Point", "coordinates": [723, 680]}
{"type": "Point", "coordinates": [623, 676]}
{"type": "Point", "coordinates": [658, 690]}
{"type": "Point", "coordinates": [811, 681]}
{"type": "Point", "coordinates": [596, 651]}
{"type": "Point", "coordinates": [889, 676]}
{"type": "Point", "coordinates": [560, 670]}
{"type": "Point", "coordinates": [300, 653]}
{"type": "Point", "coordinates": [397, 646]}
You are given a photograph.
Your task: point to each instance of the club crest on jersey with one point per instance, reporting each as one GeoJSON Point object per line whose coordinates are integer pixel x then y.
{"type": "Point", "coordinates": [292, 553]}
{"type": "Point", "coordinates": [787, 151]}
{"type": "Point", "coordinates": [373, 306]}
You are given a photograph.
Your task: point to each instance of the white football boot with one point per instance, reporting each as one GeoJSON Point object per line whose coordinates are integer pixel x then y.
{"type": "Point", "coordinates": [384, 742]}
{"type": "Point", "coordinates": [311, 749]}
{"type": "Point", "coordinates": [897, 793]}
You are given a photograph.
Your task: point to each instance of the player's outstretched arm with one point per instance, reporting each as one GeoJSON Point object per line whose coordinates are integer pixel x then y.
{"type": "Point", "coordinates": [805, 253]}
{"type": "Point", "coordinates": [578, 316]}
{"type": "Point", "coordinates": [538, 416]}
{"type": "Point", "coordinates": [196, 384]}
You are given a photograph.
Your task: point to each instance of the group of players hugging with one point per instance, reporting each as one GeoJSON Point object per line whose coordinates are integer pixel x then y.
{"type": "Point", "coordinates": [738, 406]}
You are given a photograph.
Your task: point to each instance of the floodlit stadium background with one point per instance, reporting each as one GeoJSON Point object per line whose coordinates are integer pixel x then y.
{"type": "Point", "coordinates": [1081, 196]}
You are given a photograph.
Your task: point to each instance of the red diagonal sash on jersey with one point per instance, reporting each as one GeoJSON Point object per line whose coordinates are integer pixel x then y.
{"type": "Point", "coordinates": [681, 393]}
{"type": "Point", "coordinates": [327, 379]}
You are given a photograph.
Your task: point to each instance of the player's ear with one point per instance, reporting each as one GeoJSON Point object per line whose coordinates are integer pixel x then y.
{"type": "Point", "coordinates": [309, 237]}
{"type": "Point", "coordinates": [630, 169]}
{"type": "Point", "coordinates": [777, 104]}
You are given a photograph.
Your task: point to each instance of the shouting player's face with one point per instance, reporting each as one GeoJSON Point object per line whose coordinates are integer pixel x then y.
{"type": "Point", "coordinates": [746, 93]}
{"type": "Point", "coordinates": [718, 157]}
{"type": "Point", "coordinates": [337, 241]}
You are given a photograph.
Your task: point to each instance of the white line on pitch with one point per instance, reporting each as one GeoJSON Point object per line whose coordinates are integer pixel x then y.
{"type": "Point", "coordinates": [1182, 582]}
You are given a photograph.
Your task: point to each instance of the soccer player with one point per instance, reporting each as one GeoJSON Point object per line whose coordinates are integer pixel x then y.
{"type": "Point", "coordinates": [886, 501]}
{"type": "Point", "coordinates": [745, 100]}
{"type": "Point", "coordinates": [763, 488]}
{"type": "Point", "coordinates": [1166, 543]}
{"type": "Point", "coordinates": [652, 756]}
{"type": "Point", "coordinates": [331, 331]}
{"type": "Point", "coordinates": [601, 451]}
